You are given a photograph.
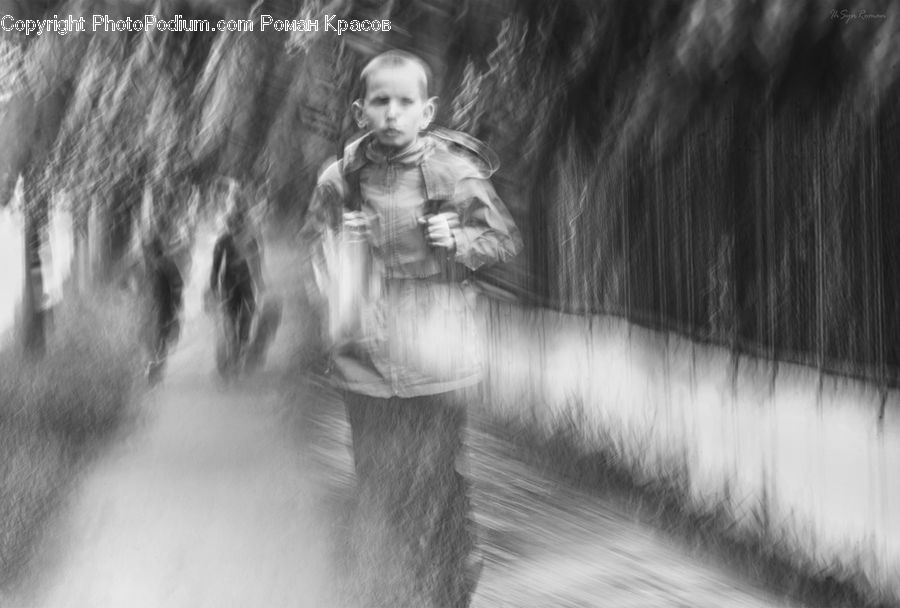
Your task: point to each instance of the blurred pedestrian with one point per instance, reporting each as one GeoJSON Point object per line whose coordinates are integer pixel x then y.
{"type": "Point", "coordinates": [165, 288]}
{"type": "Point", "coordinates": [236, 282]}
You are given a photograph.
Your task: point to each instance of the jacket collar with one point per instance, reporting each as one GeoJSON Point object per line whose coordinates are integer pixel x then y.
{"type": "Point", "coordinates": [364, 150]}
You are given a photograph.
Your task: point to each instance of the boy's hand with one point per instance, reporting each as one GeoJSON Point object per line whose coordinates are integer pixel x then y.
{"type": "Point", "coordinates": [357, 222]}
{"type": "Point", "coordinates": [438, 229]}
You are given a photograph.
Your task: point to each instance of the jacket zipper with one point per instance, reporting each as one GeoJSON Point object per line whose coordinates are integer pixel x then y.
{"type": "Point", "coordinates": [390, 212]}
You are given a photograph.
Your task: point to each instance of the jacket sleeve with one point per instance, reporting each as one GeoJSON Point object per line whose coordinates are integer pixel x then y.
{"type": "Point", "coordinates": [487, 233]}
{"type": "Point", "coordinates": [255, 255]}
{"type": "Point", "coordinates": [177, 284]}
{"type": "Point", "coordinates": [218, 253]}
{"type": "Point", "coordinates": [322, 217]}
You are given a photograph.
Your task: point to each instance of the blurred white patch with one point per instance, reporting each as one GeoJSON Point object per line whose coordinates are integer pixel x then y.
{"type": "Point", "coordinates": [816, 467]}
{"type": "Point", "coordinates": [12, 262]}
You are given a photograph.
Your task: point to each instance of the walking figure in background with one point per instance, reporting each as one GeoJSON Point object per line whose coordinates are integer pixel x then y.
{"type": "Point", "coordinates": [394, 227]}
{"type": "Point", "coordinates": [236, 282]}
{"type": "Point", "coordinates": [165, 286]}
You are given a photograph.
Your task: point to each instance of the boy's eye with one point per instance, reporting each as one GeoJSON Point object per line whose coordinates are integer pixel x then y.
{"type": "Point", "coordinates": [379, 101]}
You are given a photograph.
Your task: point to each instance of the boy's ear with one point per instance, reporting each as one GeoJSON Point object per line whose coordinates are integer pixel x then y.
{"type": "Point", "coordinates": [428, 112]}
{"type": "Point", "coordinates": [358, 114]}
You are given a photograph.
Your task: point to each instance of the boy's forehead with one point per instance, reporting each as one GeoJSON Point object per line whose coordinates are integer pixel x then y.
{"type": "Point", "coordinates": [407, 76]}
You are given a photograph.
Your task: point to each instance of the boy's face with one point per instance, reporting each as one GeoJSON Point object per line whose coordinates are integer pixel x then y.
{"type": "Point", "coordinates": [395, 108]}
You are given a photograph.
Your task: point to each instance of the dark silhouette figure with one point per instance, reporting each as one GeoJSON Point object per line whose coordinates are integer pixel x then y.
{"type": "Point", "coordinates": [165, 287]}
{"type": "Point", "coordinates": [236, 282]}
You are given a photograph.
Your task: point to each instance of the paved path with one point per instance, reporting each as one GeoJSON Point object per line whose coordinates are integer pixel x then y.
{"type": "Point", "coordinates": [552, 545]}
{"type": "Point", "coordinates": [207, 504]}
{"type": "Point", "coordinates": [235, 497]}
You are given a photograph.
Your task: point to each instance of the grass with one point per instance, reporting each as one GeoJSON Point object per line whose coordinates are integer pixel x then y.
{"type": "Point", "coordinates": [663, 500]}
{"type": "Point", "coordinates": [56, 411]}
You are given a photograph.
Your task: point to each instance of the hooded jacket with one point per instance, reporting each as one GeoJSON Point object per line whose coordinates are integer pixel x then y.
{"type": "Point", "coordinates": [417, 331]}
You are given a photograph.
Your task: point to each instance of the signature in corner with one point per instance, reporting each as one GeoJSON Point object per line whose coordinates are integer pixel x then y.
{"type": "Point", "coordinates": [861, 15]}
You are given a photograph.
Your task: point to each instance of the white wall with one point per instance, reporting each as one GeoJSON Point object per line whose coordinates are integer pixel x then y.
{"type": "Point", "coordinates": [56, 257]}
{"type": "Point", "coordinates": [12, 253]}
{"type": "Point", "coordinates": [826, 469]}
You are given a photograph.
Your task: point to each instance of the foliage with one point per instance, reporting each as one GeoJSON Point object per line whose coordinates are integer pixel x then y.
{"type": "Point", "coordinates": [54, 411]}
{"type": "Point", "coordinates": [720, 168]}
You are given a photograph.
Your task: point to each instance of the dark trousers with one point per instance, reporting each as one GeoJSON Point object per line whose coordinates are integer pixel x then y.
{"type": "Point", "coordinates": [240, 306]}
{"type": "Point", "coordinates": [238, 309]}
{"type": "Point", "coordinates": [162, 327]}
{"type": "Point", "coordinates": [413, 499]}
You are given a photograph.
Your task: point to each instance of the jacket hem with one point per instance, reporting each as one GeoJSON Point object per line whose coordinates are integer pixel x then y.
{"type": "Point", "coordinates": [383, 391]}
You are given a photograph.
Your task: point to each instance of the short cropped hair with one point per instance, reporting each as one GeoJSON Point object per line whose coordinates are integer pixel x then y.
{"type": "Point", "coordinates": [393, 59]}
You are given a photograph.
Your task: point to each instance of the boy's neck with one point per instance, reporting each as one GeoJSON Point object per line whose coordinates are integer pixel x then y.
{"type": "Point", "coordinates": [390, 152]}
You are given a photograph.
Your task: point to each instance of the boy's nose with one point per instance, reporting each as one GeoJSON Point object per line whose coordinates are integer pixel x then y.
{"type": "Point", "coordinates": [391, 110]}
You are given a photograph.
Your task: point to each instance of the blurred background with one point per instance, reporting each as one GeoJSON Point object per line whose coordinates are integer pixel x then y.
{"type": "Point", "coordinates": [718, 168]}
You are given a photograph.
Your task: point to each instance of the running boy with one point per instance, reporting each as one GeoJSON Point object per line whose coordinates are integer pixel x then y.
{"type": "Point", "coordinates": [428, 211]}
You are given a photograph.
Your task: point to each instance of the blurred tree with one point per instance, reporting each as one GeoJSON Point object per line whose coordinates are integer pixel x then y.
{"type": "Point", "coordinates": [719, 168]}
{"type": "Point", "coordinates": [32, 108]}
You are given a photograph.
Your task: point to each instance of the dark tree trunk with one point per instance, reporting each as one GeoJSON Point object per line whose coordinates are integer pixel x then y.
{"type": "Point", "coordinates": [34, 331]}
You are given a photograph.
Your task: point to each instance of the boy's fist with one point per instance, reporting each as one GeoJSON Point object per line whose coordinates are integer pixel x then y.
{"type": "Point", "coordinates": [356, 221]}
{"type": "Point", "coordinates": [438, 229]}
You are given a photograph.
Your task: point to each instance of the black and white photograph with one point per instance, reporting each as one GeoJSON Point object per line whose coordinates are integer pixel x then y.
{"type": "Point", "coordinates": [449, 304]}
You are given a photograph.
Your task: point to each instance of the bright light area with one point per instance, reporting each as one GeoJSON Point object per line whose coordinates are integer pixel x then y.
{"type": "Point", "coordinates": [11, 264]}
{"type": "Point", "coordinates": [56, 256]}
